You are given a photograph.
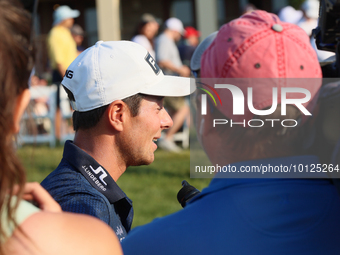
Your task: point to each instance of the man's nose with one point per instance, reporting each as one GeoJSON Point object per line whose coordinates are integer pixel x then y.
{"type": "Point", "coordinates": [166, 121]}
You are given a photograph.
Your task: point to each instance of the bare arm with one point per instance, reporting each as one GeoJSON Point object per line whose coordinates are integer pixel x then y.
{"type": "Point", "coordinates": [34, 192]}
{"type": "Point", "coordinates": [61, 70]}
{"type": "Point", "coordinates": [182, 71]}
{"type": "Point", "coordinates": [52, 231]}
{"type": "Point", "coordinates": [63, 233]}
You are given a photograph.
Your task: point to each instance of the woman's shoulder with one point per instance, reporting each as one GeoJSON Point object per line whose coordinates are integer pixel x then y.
{"type": "Point", "coordinates": [24, 210]}
{"type": "Point", "coordinates": [64, 233]}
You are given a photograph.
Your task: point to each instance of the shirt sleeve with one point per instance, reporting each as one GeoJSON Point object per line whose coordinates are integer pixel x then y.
{"type": "Point", "coordinates": [163, 52]}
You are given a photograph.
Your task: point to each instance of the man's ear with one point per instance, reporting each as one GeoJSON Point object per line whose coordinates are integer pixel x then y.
{"type": "Point", "coordinates": [20, 105]}
{"type": "Point", "coordinates": [118, 113]}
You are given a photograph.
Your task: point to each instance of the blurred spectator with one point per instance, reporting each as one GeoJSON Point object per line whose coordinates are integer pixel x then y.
{"type": "Point", "coordinates": [62, 50]}
{"type": "Point", "coordinates": [168, 58]}
{"type": "Point", "coordinates": [145, 32]}
{"type": "Point", "coordinates": [187, 48]}
{"type": "Point", "coordinates": [167, 54]}
{"type": "Point", "coordinates": [309, 21]}
{"type": "Point", "coordinates": [40, 106]}
{"type": "Point", "coordinates": [290, 15]}
{"type": "Point", "coordinates": [36, 81]}
{"type": "Point", "coordinates": [78, 36]}
{"type": "Point", "coordinates": [248, 8]}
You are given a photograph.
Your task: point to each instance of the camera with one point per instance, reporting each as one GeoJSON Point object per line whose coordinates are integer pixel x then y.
{"type": "Point", "coordinates": [327, 126]}
{"type": "Point", "coordinates": [327, 35]}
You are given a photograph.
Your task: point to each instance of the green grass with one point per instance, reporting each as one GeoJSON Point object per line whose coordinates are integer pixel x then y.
{"type": "Point", "coordinates": [152, 188]}
{"type": "Point", "coordinates": [39, 161]}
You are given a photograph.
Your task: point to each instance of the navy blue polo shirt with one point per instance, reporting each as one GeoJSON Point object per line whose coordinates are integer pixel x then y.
{"type": "Point", "coordinates": [81, 185]}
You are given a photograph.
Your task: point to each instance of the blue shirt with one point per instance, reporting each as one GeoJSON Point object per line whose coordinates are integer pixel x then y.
{"type": "Point", "coordinates": [248, 216]}
{"type": "Point", "coordinates": [79, 184]}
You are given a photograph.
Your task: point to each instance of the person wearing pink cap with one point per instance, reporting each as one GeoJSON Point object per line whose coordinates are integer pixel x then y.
{"type": "Point", "coordinates": [244, 211]}
{"type": "Point", "coordinates": [187, 48]}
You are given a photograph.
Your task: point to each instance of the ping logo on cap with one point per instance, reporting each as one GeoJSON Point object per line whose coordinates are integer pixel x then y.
{"type": "Point", "coordinates": [149, 59]}
{"type": "Point", "coordinates": [69, 74]}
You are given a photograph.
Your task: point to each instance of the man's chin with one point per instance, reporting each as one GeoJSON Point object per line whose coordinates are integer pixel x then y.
{"type": "Point", "coordinates": [144, 162]}
{"type": "Point", "coordinates": [148, 162]}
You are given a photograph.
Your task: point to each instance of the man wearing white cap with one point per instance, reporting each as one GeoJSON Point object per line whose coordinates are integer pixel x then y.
{"type": "Point", "coordinates": [62, 49]}
{"type": "Point", "coordinates": [167, 54]}
{"type": "Point", "coordinates": [309, 21]}
{"type": "Point", "coordinates": [168, 58]}
{"type": "Point", "coordinates": [116, 89]}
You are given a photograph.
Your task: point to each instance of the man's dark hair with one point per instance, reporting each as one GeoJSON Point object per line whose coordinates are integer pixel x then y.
{"type": "Point", "coordinates": [89, 119]}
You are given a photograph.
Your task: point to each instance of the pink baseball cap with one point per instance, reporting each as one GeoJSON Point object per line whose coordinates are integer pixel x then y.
{"type": "Point", "coordinates": [259, 45]}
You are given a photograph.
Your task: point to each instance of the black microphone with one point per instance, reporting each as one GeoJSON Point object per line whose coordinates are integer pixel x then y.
{"type": "Point", "coordinates": [186, 193]}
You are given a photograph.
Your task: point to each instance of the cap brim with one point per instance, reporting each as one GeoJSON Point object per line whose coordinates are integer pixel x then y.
{"type": "Point", "coordinates": [73, 14]}
{"type": "Point", "coordinates": [195, 63]}
{"type": "Point", "coordinates": [172, 86]}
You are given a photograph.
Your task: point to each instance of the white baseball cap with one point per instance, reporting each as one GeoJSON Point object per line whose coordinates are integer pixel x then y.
{"type": "Point", "coordinates": [290, 15]}
{"type": "Point", "coordinates": [64, 12]}
{"type": "Point", "coordinates": [175, 24]}
{"type": "Point", "coordinates": [311, 8]}
{"type": "Point", "coordinates": [115, 70]}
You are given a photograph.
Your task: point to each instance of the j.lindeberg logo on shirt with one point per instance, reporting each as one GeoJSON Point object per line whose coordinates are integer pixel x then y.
{"type": "Point", "coordinates": [149, 59]}
{"type": "Point", "coordinates": [97, 176]}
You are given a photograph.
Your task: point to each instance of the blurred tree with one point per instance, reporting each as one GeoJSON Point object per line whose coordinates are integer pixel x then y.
{"type": "Point", "coordinates": [295, 3]}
